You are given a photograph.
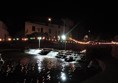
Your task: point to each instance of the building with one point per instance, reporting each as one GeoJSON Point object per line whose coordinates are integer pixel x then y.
{"type": "Point", "coordinates": [53, 30]}
{"type": "Point", "coordinates": [4, 34]}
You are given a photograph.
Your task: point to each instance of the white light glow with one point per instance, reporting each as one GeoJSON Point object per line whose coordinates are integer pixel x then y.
{"type": "Point", "coordinates": [52, 54]}
{"type": "Point", "coordinates": [49, 19]}
{"type": "Point", "coordinates": [17, 38]}
{"type": "Point", "coordinates": [63, 37]}
{"type": "Point", "coordinates": [9, 39]}
{"type": "Point", "coordinates": [39, 65]}
{"type": "Point", "coordinates": [83, 51]}
{"type": "Point", "coordinates": [33, 51]}
{"type": "Point", "coordinates": [39, 38]}
{"type": "Point", "coordinates": [63, 76]}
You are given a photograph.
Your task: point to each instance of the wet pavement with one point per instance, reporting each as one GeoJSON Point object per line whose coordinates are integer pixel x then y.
{"type": "Point", "coordinates": [43, 69]}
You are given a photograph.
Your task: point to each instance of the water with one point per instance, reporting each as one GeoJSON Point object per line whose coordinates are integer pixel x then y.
{"type": "Point", "coordinates": [43, 69]}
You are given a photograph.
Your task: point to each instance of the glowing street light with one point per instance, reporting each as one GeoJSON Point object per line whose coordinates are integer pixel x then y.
{"type": "Point", "coordinates": [63, 37]}
{"type": "Point", "coordinates": [39, 38]}
{"type": "Point", "coordinates": [49, 19]}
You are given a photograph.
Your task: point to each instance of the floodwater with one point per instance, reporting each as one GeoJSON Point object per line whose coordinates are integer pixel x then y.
{"type": "Point", "coordinates": [22, 68]}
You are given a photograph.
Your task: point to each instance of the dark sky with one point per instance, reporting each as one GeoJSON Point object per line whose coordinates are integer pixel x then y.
{"type": "Point", "coordinates": [100, 19]}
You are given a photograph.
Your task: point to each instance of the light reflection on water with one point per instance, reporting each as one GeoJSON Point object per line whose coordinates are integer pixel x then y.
{"type": "Point", "coordinates": [54, 68]}
{"type": "Point", "coordinates": [49, 63]}
{"type": "Point", "coordinates": [51, 69]}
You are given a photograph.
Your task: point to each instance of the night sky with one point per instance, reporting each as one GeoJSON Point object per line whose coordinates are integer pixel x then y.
{"type": "Point", "coordinates": [100, 20]}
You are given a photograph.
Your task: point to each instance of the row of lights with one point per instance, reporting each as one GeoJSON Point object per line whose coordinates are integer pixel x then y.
{"type": "Point", "coordinates": [23, 39]}
{"type": "Point", "coordinates": [71, 41]}
{"type": "Point", "coordinates": [35, 38]}
{"type": "Point", "coordinates": [79, 42]}
{"type": "Point", "coordinates": [95, 43]}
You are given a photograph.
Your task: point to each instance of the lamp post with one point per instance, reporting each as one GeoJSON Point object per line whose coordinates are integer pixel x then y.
{"type": "Point", "coordinates": [64, 39]}
{"type": "Point", "coordinates": [39, 38]}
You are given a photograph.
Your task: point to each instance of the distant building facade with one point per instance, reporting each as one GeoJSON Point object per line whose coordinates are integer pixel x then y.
{"type": "Point", "coordinates": [53, 30]}
{"type": "Point", "coordinates": [4, 34]}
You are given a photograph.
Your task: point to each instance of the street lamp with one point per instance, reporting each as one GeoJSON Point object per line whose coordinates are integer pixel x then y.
{"type": "Point", "coordinates": [49, 19]}
{"type": "Point", "coordinates": [39, 38]}
{"type": "Point", "coordinates": [64, 39]}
